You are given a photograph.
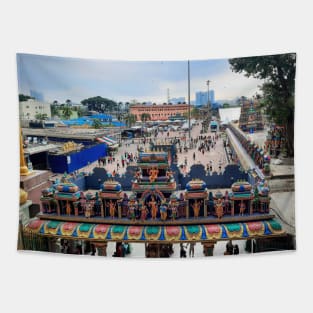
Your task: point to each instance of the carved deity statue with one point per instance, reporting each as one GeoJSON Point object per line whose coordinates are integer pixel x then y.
{"type": "Point", "coordinates": [88, 210]}
{"type": "Point", "coordinates": [68, 208]}
{"type": "Point", "coordinates": [196, 209]}
{"type": "Point", "coordinates": [219, 208]}
{"type": "Point", "coordinates": [242, 208]}
{"type": "Point", "coordinates": [153, 174]}
{"type": "Point", "coordinates": [163, 211]}
{"type": "Point", "coordinates": [112, 206]}
{"type": "Point", "coordinates": [154, 207]}
{"type": "Point", "coordinates": [143, 212]}
{"type": "Point", "coordinates": [131, 212]}
{"type": "Point", "coordinates": [173, 209]}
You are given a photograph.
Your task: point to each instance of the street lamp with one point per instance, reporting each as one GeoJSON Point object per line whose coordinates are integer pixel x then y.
{"type": "Point", "coordinates": [189, 109]}
{"type": "Point", "coordinates": [208, 84]}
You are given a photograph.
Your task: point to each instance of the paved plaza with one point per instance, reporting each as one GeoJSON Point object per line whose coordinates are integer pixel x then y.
{"type": "Point", "coordinates": [216, 154]}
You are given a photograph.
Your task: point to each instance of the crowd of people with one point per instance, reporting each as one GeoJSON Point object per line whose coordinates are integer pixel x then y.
{"type": "Point", "coordinates": [183, 253]}
{"type": "Point", "coordinates": [123, 161]}
{"type": "Point", "coordinates": [231, 249]}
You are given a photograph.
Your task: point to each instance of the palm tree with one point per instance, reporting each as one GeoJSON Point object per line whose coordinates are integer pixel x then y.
{"type": "Point", "coordinates": [67, 112]}
{"type": "Point", "coordinates": [130, 119]}
{"type": "Point", "coordinates": [97, 123]}
{"type": "Point", "coordinates": [68, 102]}
{"type": "Point", "coordinates": [80, 112]}
{"type": "Point", "coordinates": [54, 110]}
{"type": "Point", "coordinates": [145, 117]}
{"type": "Point", "coordinates": [195, 113]}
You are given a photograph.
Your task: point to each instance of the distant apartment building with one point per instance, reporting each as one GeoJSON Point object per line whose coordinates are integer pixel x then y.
{"type": "Point", "coordinates": [160, 112]}
{"type": "Point", "coordinates": [177, 100]}
{"type": "Point", "coordinates": [202, 97]}
{"type": "Point", "coordinates": [29, 109]}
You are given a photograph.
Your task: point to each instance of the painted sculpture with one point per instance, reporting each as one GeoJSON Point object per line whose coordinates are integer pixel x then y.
{"type": "Point", "coordinates": [112, 209]}
{"type": "Point", "coordinates": [219, 208]}
{"type": "Point", "coordinates": [154, 208]}
{"type": "Point", "coordinates": [153, 172]}
{"type": "Point", "coordinates": [196, 208]}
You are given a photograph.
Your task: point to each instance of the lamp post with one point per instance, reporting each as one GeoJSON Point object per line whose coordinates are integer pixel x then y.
{"type": "Point", "coordinates": [189, 113]}
{"type": "Point", "coordinates": [208, 84]}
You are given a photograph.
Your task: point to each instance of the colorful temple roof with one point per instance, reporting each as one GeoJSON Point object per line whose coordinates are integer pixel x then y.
{"type": "Point", "coordinates": [153, 157]}
{"type": "Point", "coordinates": [242, 186]}
{"type": "Point", "coordinates": [111, 185]}
{"type": "Point", "coordinates": [67, 191]}
{"type": "Point", "coordinates": [208, 232]}
{"type": "Point", "coordinates": [196, 185]}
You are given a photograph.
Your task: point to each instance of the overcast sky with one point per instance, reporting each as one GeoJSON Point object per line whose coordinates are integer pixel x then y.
{"type": "Point", "coordinates": [60, 78]}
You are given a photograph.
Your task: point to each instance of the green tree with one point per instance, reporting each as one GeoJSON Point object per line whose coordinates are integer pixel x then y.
{"type": "Point", "coordinates": [195, 113]}
{"type": "Point", "coordinates": [130, 120]}
{"type": "Point", "coordinates": [96, 123]}
{"type": "Point", "coordinates": [41, 117]}
{"type": "Point", "coordinates": [68, 102]}
{"type": "Point", "coordinates": [100, 104]}
{"type": "Point", "coordinates": [226, 105]}
{"type": "Point", "coordinates": [186, 115]}
{"type": "Point", "coordinates": [22, 97]}
{"type": "Point", "coordinates": [278, 71]}
{"type": "Point", "coordinates": [80, 111]}
{"type": "Point", "coordinates": [145, 117]}
{"type": "Point", "coordinates": [54, 110]}
{"type": "Point", "coordinates": [67, 112]}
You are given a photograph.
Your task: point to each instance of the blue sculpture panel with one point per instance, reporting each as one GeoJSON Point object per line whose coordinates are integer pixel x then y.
{"type": "Point", "coordinates": [231, 174]}
{"type": "Point", "coordinates": [95, 179]}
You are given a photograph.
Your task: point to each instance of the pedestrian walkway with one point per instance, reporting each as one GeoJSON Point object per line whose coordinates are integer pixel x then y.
{"type": "Point", "coordinates": [216, 156]}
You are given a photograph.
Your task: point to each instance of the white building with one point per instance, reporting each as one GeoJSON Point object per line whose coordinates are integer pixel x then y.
{"type": "Point", "coordinates": [229, 114]}
{"type": "Point", "coordinates": [29, 109]}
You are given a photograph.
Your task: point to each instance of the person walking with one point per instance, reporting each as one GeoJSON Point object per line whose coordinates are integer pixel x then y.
{"type": "Point", "coordinates": [236, 249]}
{"type": "Point", "coordinates": [192, 249]}
{"type": "Point", "coordinates": [182, 251]}
{"type": "Point", "coordinates": [194, 156]}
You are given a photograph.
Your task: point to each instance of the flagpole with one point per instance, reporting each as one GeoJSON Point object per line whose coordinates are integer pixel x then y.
{"type": "Point", "coordinates": [189, 113]}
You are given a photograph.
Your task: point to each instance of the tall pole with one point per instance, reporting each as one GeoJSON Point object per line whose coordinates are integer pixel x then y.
{"type": "Point", "coordinates": [208, 83]}
{"type": "Point", "coordinates": [189, 111]}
